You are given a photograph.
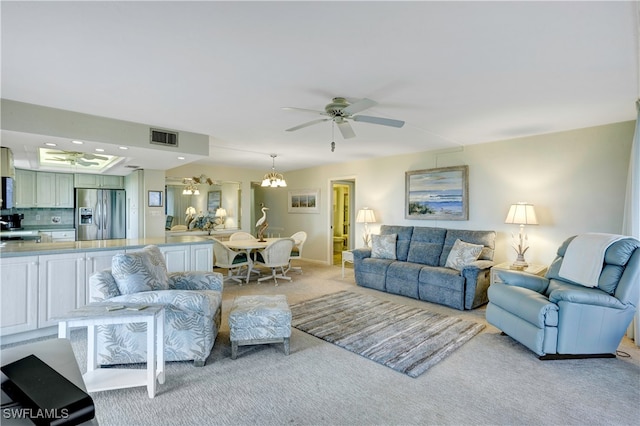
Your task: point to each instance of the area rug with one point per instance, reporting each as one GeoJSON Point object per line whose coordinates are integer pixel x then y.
{"type": "Point", "coordinates": [407, 339]}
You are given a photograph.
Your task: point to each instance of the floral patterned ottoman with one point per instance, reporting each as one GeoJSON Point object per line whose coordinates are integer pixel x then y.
{"type": "Point", "coordinates": [256, 320]}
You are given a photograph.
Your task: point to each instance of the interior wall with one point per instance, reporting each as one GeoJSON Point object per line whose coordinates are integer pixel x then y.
{"type": "Point", "coordinates": [576, 180]}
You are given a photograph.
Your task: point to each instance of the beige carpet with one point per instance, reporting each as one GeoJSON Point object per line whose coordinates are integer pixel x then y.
{"type": "Point", "coordinates": [490, 380]}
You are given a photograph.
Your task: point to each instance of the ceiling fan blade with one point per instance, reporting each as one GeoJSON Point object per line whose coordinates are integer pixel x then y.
{"type": "Point", "coordinates": [89, 156]}
{"type": "Point", "coordinates": [307, 124]}
{"type": "Point", "coordinates": [86, 163]}
{"type": "Point", "coordinates": [59, 159]}
{"type": "Point", "coordinates": [346, 129]}
{"type": "Point", "coordinates": [304, 110]}
{"type": "Point", "coordinates": [361, 105]}
{"type": "Point", "coordinates": [378, 120]}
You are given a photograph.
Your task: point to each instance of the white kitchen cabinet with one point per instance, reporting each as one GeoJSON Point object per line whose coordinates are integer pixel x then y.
{"type": "Point", "coordinates": [177, 258]}
{"type": "Point", "coordinates": [82, 180]}
{"type": "Point", "coordinates": [62, 286]}
{"type": "Point", "coordinates": [65, 235]}
{"type": "Point", "coordinates": [25, 189]}
{"type": "Point", "coordinates": [18, 294]}
{"type": "Point", "coordinates": [54, 190]}
{"type": "Point", "coordinates": [201, 257]}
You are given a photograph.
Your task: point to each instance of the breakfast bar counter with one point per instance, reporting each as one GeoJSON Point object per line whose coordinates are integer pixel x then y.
{"type": "Point", "coordinates": [32, 248]}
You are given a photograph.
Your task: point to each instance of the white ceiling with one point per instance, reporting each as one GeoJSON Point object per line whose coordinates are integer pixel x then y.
{"type": "Point", "coordinates": [457, 73]}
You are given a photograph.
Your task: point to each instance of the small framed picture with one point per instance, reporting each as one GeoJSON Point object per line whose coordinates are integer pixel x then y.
{"type": "Point", "coordinates": [304, 201]}
{"type": "Point", "coordinates": [155, 198]}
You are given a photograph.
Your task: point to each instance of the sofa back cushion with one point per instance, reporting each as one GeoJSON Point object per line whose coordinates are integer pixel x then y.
{"type": "Point", "coordinates": [426, 245]}
{"type": "Point", "coordinates": [486, 238]}
{"type": "Point", "coordinates": [404, 239]}
{"type": "Point", "coordinates": [138, 271]}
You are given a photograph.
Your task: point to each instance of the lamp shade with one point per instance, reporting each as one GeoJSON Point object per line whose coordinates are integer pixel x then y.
{"type": "Point", "coordinates": [365, 215]}
{"type": "Point", "coordinates": [522, 214]}
{"type": "Point", "coordinates": [221, 212]}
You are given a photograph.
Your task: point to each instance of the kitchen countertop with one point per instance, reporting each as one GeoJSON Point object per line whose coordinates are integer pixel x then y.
{"type": "Point", "coordinates": [31, 248]}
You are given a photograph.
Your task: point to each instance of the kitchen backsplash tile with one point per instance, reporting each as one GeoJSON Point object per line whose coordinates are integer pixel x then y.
{"type": "Point", "coordinates": [47, 217]}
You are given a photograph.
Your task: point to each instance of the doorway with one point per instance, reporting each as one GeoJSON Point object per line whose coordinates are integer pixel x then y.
{"type": "Point", "coordinates": [342, 199]}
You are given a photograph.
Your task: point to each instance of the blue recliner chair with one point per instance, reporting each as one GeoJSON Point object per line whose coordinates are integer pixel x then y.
{"type": "Point", "coordinates": [557, 318]}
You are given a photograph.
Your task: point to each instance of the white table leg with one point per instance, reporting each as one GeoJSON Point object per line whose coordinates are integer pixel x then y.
{"type": "Point", "coordinates": [250, 265]}
{"type": "Point", "coordinates": [160, 346]}
{"type": "Point", "coordinates": [63, 330]}
{"type": "Point", "coordinates": [151, 356]}
{"type": "Point", "coordinates": [92, 348]}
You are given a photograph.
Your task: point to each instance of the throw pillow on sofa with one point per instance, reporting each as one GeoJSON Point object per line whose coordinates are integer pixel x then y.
{"type": "Point", "coordinates": [143, 270]}
{"type": "Point", "coordinates": [383, 246]}
{"type": "Point", "coordinates": [462, 254]}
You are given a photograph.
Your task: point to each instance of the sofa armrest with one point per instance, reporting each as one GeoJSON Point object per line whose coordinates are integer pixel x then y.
{"type": "Point", "coordinates": [586, 296]}
{"type": "Point", "coordinates": [361, 253]}
{"type": "Point", "coordinates": [102, 286]}
{"type": "Point", "coordinates": [522, 279]}
{"type": "Point", "coordinates": [176, 300]}
{"type": "Point", "coordinates": [196, 280]}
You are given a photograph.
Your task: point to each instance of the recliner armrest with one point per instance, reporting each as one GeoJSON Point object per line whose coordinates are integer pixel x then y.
{"type": "Point", "coordinates": [478, 264]}
{"type": "Point", "coordinates": [586, 297]}
{"type": "Point", "coordinates": [522, 279]}
{"type": "Point", "coordinates": [196, 280]}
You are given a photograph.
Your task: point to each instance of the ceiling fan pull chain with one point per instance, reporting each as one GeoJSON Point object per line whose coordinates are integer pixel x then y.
{"type": "Point", "coordinates": [333, 143]}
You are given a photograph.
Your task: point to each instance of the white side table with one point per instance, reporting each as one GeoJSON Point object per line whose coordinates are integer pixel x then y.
{"type": "Point", "coordinates": [101, 379]}
{"type": "Point", "coordinates": [347, 256]}
{"type": "Point", "coordinates": [532, 269]}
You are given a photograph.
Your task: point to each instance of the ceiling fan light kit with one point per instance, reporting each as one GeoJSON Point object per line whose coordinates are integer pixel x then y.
{"type": "Point", "coordinates": [340, 110]}
{"type": "Point", "coordinates": [273, 179]}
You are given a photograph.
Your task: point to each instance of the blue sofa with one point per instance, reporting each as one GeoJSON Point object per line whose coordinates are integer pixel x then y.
{"type": "Point", "coordinates": [419, 268]}
{"type": "Point", "coordinates": [557, 318]}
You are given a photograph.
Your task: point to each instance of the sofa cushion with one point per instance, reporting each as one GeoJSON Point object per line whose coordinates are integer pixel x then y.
{"type": "Point", "coordinates": [486, 238]}
{"type": "Point", "coordinates": [383, 246]}
{"type": "Point", "coordinates": [462, 254]}
{"type": "Point", "coordinates": [426, 245]}
{"type": "Point", "coordinates": [143, 270]}
{"type": "Point", "coordinates": [404, 234]}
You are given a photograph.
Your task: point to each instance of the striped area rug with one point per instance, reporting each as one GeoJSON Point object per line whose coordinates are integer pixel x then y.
{"type": "Point", "coordinates": [407, 339]}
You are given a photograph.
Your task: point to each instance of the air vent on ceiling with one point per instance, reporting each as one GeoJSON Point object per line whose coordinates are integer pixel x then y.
{"type": "Point", "coordinates": [164, 137]}
{"type": "Point", "coordinates": [132, 167]}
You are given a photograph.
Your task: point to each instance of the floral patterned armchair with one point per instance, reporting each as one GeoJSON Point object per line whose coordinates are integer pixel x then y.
{"type": "Point", "coordinates": [192, 302]}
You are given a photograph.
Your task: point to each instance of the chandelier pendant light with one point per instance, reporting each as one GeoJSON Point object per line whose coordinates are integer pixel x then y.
{"type": "Point", "coordinates": [273, 179]}
{"type": "Point", "coordinates": [191, 188]}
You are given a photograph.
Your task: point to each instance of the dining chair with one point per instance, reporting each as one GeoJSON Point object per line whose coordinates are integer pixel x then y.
{"type": "Point", "coordinates": [275, 256]}
{"type": "Point", "coordinates": [296, 253]}
{"type": "Point", "coordinates": [231, 260]}
{"type": "Point", "coordinates": [241, 235]}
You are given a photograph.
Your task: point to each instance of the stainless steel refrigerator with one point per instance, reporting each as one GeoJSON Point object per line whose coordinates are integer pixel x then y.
{"type": "Point", "coordinates": [100, 214]}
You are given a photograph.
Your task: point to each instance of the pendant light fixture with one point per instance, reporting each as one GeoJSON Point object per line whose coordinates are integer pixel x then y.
{"type": "Point", "coordinates": [272, 178]}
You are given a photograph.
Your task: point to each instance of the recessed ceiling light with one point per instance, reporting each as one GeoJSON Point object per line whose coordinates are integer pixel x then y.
{"type": "Point", "coordinates": [124, 147]}
{"type": "Point", "coordinates": [180, 158]}
{"type": "Point", "coordinates": [99, 150]}
{"type": "Point", "coordinates": [77, 142]}
{"type": "Point", "coordinates": [50, 144]}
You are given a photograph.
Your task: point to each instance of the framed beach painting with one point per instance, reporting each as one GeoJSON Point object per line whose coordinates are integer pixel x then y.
{"type": "Point", "coordinates": [304, 201]}
{"type": "Point", "coordinates": [437, 194]}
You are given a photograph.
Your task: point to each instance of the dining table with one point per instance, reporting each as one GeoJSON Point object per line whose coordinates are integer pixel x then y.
{"type": "Point", "coordinates": [248, 246]}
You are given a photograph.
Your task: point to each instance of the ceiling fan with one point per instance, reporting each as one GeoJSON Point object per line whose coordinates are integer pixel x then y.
{"type": "Point", "coordinates": [340, 110]}
{"type": "Point", "coordinates": [75, 157]}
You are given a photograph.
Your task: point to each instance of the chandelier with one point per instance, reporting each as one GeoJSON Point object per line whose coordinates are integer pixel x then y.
{"type": "Point", "coordinates": [272, 178]}
{"type": "Point", "coordinates": [190, 188]}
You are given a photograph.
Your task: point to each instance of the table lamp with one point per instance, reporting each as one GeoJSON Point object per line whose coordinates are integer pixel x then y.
{"type": "Point", "coordinates": [521, 214]}
{"type": "Point", "coordinates": [366, 216]}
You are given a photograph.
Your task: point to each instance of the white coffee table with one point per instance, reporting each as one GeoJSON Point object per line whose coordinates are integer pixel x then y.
{"type": "Point", "coordinates": [101, 379]}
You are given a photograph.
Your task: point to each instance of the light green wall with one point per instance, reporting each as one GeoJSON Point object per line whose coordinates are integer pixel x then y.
{"type": "Point", "coordinates": [576, 180]}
